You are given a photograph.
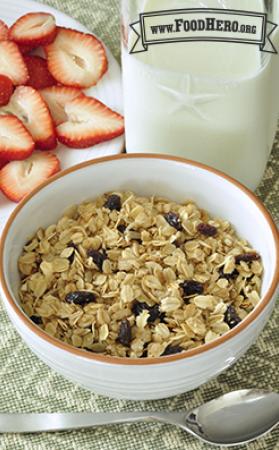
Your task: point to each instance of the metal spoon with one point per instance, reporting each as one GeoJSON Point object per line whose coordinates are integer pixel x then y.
{"type": "Point", "coordinates": [232, 419]}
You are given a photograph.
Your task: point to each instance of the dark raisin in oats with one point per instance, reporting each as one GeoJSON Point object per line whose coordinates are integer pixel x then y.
{"type": "Point", "coordinates": [121, 228]}
{"type": "Point", "coordinates": [173, 220]}
{"type": "Point", "coordinates": [207, 230]}
{"type": "Point", "coordinates": [145, 353]}
{"type": "Point", "coordinates": [247, 257]}
{"type": "Point", "coordinates": [154, 311]}
{"type": "Point", "coordinates": [124, 334]}
{"type": "Point", "coordinates": [113, 202]}
{"type": "Point", "coordinates": [231, 317]}
{"type": "Point", "coordinates": [37, 320]}
{"type": "Point", "coordinates": [172, 350]}
{"type": "Point", "coordinates": [72, 256]}
{"type": "Point", "coordinates": [154, 314]}
{"type": "Point", "coordinates": [228, 276]}
{"type": "Point", "coordinates": [191, 287]}
{"type": "Point", "coordinates": [138, 307]}
{"type": "Point", "coordinates": [80, 297]}
{"type": "Point", "coordinates": [98, 257]}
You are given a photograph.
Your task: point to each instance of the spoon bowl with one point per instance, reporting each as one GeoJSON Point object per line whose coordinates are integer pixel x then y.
{"type": "Point", "coordinates": [234, 418]}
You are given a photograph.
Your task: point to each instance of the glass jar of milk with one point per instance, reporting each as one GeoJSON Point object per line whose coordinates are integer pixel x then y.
{"type": "Point", "coordinates": [214, 102]}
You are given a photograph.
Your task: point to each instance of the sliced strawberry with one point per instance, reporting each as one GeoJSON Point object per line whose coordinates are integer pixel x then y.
{"type": "Point", "coordinates": [33, 29]}
{"type": "Point", "coordinates": [24, 49]}
{"type": "Point", "coordinates": [28, 105]}
{"type": "Point", "coordinates": [19, 178]}
{"type": "Point", "coordinates": [6, 89]}
{"type": "Point", "coordinates": [56, 98]}
{"type": "Point", "coordinates": [12, 64]}
{"type": "Point", "coordinates": [39, 75]}
{"type": "Point", "coordinates": [3, 31]}
{"type": "Point", "coordinates": [89, 122]}
{"type": "Point", "coordinates": [3, 162]}
{"type": "Point", "coordinates": [76, 59]}
{"type": "Point", "coordinates": [16, 142]}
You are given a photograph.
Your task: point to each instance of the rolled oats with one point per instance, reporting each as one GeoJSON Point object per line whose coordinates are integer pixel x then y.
{"type": "Point", "coordinates": [131, 276]}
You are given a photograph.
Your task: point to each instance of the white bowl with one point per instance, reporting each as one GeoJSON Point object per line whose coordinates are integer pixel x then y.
{"type": "Point", "coordinates": [177, 179]}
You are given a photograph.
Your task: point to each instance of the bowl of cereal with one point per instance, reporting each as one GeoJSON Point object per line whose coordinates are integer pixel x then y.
{"type": "Point", "coordinates": [139, 276]}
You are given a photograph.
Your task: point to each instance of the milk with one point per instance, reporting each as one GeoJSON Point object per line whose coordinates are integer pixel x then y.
{"type": "Point", "coordinates": [210, 102]}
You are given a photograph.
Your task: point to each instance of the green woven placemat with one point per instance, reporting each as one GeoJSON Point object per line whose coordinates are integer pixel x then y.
{"type": "Point", "coordinates": [29, 385]}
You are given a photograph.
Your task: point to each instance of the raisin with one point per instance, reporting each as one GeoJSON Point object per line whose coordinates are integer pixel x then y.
{"type": "Point", "coordinates": [72, 256]}
{"type": "Point", "coordinates": [138, 307]}
{"type": "Point", "coordinates": [207, 230]}
{"type": "Point", "coordinates": [172, 350]}
{"type": "Point", "coordinates": [80, 297]}
{"type": "Point", "coordinates": [37, 320]}
{"type": "Point", "coordinates": [98, 257]}
{"type": "Point", "coordinates": [192, 287]}
{"type": "Point", "coordinates": [124, 334]}
{"type": "Point", "coordinates": [231, 317]}
{"type": "Point", "coordinates": [145, 352]}
{"type": "Point", "coordinates": [173, 220]}
{"type": "Point", "coordinates": [154, 311]}
{"type": "Point", "coordinates": [228, 276]}
{"type": "Point", "coordinates": [121, 228]}
{"type": "Point", "coordinates": [247, 257]}
{"type": "Point", "coordinates": [113, 202]}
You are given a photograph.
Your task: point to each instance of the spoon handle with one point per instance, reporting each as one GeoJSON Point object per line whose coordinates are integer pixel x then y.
{"type": "Point", "coordinates": [36, 423]}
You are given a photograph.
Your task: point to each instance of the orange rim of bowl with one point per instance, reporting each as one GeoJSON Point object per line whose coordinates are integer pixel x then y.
{"type": "Point", "coordinates": [141, 361]}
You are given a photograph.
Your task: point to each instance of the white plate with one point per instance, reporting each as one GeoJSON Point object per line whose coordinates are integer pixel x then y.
{"type": "Point", "coordinates": [108, 90]}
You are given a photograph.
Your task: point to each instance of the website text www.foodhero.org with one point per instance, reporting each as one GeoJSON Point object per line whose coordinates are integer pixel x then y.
{"type": "Point", "coordinates": [208, 24]}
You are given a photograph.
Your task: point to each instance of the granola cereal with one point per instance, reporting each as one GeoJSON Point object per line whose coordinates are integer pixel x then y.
{"type": "Point", "coordinates": [130, 276]}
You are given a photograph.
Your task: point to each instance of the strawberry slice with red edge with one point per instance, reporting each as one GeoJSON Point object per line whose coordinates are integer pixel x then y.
{"type": "Point", "coordinates": [33, 30]}
{"type": "Point", "coordinates": [4, 30]}
{"type": "Point", "coordinates": [6, 89]}
{"type": "Point", "coordinates": [24, 49]}
{"type": "Point", "coordinates": [39, 75]}
{"type": "Point", "coordinates": [16, 143]}
{"type": "Point", "coordinates": [76, 59]}
{"type": "Point", "coordinates": [12, 64]}
{"type": "Point", "coordinates": [56, 98]}
{"type": "Point", "coordinates": [19, 178]}
{"type": "Point", "coordinates": [28, 105]}
{"type": "Point", "coordinates": [3, 162]}
{"type": "Point", "coordinates": [89, 122]}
